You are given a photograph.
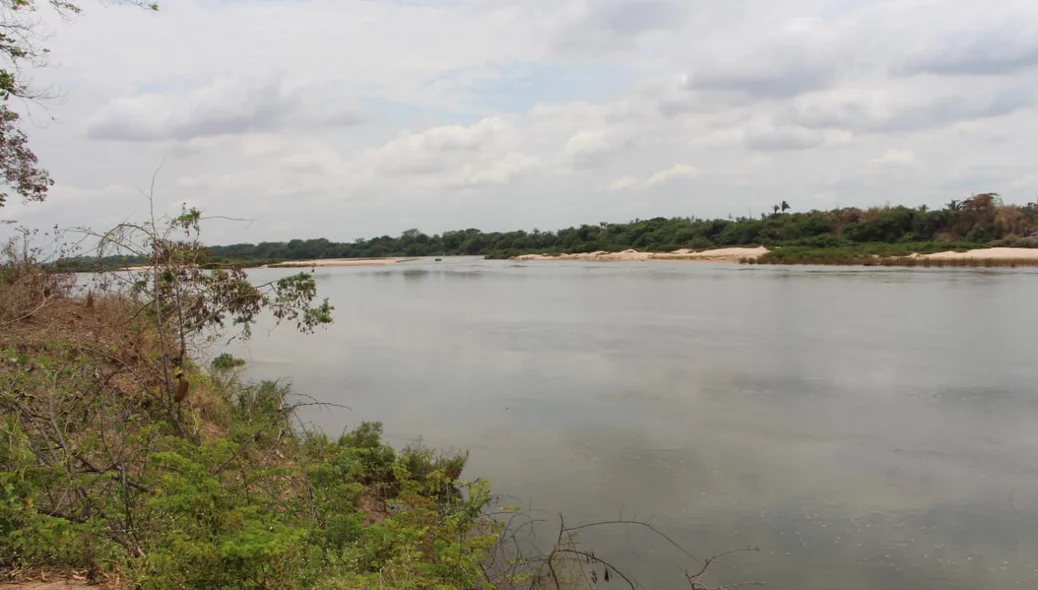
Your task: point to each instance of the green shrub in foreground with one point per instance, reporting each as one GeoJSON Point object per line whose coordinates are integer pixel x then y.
{"type": "Point", "coordinates": [260, 507]}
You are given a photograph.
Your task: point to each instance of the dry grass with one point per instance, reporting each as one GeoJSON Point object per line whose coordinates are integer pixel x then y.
{"type": "Point", "coordinates": [25, 290]}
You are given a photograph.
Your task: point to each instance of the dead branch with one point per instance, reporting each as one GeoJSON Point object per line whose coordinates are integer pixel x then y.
{"type": "Point", "coordinates": [695, 584]}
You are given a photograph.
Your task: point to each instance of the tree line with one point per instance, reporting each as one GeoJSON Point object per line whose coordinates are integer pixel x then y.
{"type": "Point", "coordinates": [980, 219]}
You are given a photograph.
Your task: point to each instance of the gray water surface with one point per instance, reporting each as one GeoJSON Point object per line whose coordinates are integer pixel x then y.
{"type": "Point", "coordinates": [866, 428]}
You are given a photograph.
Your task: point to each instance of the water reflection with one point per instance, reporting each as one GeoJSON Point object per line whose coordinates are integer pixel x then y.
{"type": "Point", "coordinates": [866, 428]}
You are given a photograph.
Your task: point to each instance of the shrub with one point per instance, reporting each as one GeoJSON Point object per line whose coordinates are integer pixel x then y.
{"type": "Point", "coordinates": [225, 361]}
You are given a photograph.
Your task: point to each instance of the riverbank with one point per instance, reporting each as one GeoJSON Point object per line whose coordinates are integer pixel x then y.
{"type": "Point", "coordinates": [908, 255]}
{"type": "Point", "coordinates": [126, 464]}
{"type": "Point", "coordinates": [338, 262]}
{"type": "Point", "coordinates": [715, 255]}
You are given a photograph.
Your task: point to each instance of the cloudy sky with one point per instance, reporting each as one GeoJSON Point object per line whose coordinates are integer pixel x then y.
{"type": "Point", "coordinates": [353, 118]}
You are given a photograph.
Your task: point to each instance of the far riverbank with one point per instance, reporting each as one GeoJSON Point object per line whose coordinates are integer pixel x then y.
{"type": "Point", "coordinates": [863, 255]}
{"type": "Point", "coordinates": [716, 255]}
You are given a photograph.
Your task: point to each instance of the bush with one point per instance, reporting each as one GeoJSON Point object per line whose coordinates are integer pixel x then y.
{"type": "Point", "coordinates": [225, 361]}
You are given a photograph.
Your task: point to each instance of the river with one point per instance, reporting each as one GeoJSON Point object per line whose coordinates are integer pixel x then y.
{"type": "Point", "coordinates": [865, 428]}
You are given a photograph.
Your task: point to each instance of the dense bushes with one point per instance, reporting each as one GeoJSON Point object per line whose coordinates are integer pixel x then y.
{"type": "Point", "coordinates": [119, 456]}
{"type": "Point", "coordinates": [253, 503]}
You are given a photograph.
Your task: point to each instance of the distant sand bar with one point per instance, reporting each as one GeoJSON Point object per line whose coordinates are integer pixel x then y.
{"type": "Point", "coordinates": [717, 255]}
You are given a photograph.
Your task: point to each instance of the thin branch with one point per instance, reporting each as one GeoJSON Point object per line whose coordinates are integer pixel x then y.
{"type": "Point", "coordinates": [659, 533]}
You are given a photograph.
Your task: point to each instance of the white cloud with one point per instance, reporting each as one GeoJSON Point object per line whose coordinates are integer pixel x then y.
{"type": "Point", "coordinates": [227, 106]}
{"type": "Point", "coordinates": [677, 172]}
{"type": "Point", "coordinates": [451, 156]}
{"type": "Point", "coordinates": [494, 171]}
{"type": "Point", "coordinates": [766, 136]}
{"type": "Point", "coordinates": [590, 149]}
{"type": "Point", "coordinates": [896, 157]}
{"type": "Point", "coordinates": [659, 179]}
{"type": "Point", "coordinates": [624, 182]}
{"type": "Point", "coordinates": [503, 114]}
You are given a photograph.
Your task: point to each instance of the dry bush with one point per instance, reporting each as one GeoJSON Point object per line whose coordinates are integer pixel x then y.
{"type": "Point", "coordinates": [25, 285]}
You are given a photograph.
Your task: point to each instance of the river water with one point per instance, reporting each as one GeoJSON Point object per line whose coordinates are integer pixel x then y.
{"type": "Point", "coordinates": [865, 428]}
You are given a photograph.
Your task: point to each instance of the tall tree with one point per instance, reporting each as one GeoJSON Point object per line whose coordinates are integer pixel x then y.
{"type": "Point", "coordinates": [20, 172]}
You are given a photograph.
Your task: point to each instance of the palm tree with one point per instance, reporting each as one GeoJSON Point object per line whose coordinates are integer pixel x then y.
{"type": "Point", "coordinates": [785, 206]}
{"type": "Point", "coordinates": [954, 205]}
{"type": "Point", "coordinates": [775, 208]}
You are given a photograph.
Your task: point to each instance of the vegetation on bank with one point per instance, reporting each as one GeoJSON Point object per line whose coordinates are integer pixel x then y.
{"type": "Point", "coordinates": [845, 234]}
{"type": "Point", "coordinates": [981, 220]}
{"type": "Point", "coordinates": [95, 475]}
{"type": "Point", "coordinates": [121, 458]}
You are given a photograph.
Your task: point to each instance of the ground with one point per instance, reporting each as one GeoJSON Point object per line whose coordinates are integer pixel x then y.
{"type": "Point", "coordinates": [70, 585]}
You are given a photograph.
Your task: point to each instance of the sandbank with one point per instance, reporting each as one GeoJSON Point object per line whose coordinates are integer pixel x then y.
{"type": "Point", "coordinates": [716, 255]}
{"type": "Point", "coordinates": [985, 254]}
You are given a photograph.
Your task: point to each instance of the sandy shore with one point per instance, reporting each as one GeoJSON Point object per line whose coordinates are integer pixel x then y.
{"type": "Point", "coordinates": [339, 262]}
{"type": "Point", "coordinates": [717, 255]}
{"type": "Point", "coordinates": [986, 254]}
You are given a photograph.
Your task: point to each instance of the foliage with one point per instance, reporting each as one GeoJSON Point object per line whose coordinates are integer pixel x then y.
{"type": "Point", "coordinates": [18, 164]}
{"type": "Point", "coordinates": [225, 361]}
{"type": "Point", "coordinates": [187, 299]}
{"type": "Point", "coordinates": [93, 476]}
{"type": "Point", "coordinates": [981, 219]}
{"type": "Point", "coordinates": [101, 469]}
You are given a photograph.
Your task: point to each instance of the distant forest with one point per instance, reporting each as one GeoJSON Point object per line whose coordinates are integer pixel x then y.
{"type": "Point", "coordinates": [981, 219]}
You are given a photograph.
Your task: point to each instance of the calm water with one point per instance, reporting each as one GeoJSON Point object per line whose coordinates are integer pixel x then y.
{"type": "Point", "coordinates": [867, 429]}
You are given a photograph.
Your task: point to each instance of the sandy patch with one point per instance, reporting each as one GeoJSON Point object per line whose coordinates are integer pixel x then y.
{"type": "Point", "coordinates": [986, 254]}
{"type": "Point", "coordinates": [716, 255]}
{"type": "Point", "coordinates": [338, 262]}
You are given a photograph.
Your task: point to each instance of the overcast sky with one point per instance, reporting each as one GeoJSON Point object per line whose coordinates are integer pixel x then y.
{"type": "Point", "coordinates": [354, 118]}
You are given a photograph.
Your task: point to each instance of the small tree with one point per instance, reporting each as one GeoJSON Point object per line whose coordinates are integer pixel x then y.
{"type": "Point", "coordinates": [191, 303]}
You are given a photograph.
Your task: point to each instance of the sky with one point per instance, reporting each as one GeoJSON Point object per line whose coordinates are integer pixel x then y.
{"type": "Point", "coordinates": [347, 119]}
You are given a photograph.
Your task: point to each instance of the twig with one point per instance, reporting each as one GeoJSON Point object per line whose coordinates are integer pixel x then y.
{"type": "Point", "coordinates": [659, 533]}
{"type": "Point", "coordinates": [695, 584]}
